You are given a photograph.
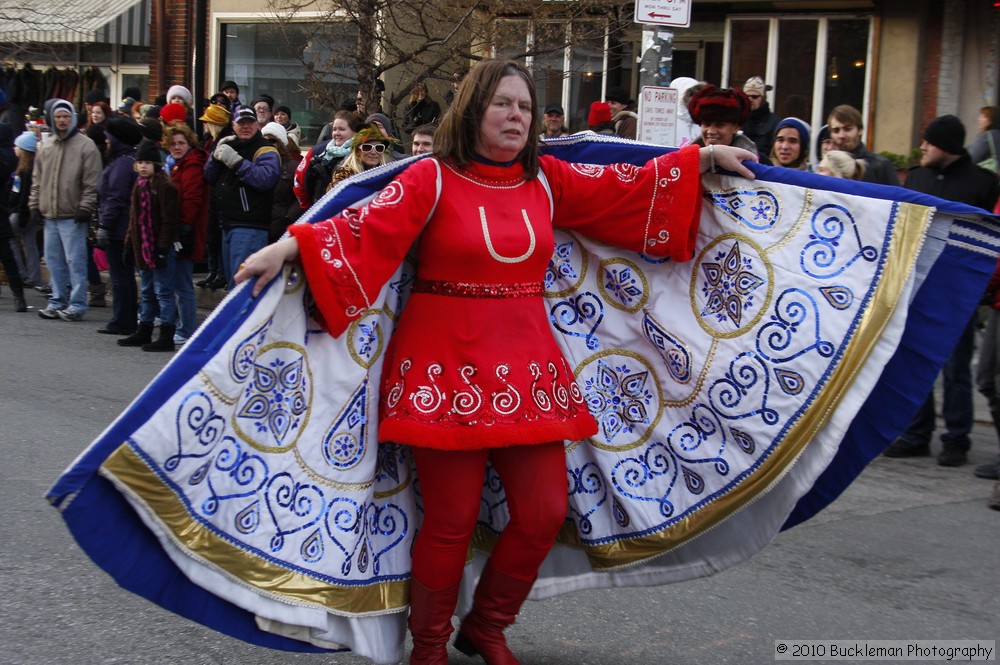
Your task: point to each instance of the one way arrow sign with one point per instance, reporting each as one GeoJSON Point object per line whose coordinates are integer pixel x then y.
{"type": "Point", "coordinates": [676, 13]}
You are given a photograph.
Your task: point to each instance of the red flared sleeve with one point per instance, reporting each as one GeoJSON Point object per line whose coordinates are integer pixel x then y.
{"type": "Point", "coordinates": [653, 209]}
{"type": "Point", "coordinates": [348, 258]}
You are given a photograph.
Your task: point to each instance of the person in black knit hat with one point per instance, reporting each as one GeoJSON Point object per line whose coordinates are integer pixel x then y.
{"type": "Point", "coordinates": [947, 171]}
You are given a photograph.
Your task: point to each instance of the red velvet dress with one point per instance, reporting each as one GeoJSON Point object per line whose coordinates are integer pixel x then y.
{"type": "Point", "coordinates": [473, 362]}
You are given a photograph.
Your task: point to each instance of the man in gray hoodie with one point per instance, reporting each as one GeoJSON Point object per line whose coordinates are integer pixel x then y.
{"type": "Point", "coordinates": [64, 198]}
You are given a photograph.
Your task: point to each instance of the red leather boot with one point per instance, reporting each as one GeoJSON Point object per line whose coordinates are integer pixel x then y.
{"type": "Point", "coordinates": [495, 605]}
{"type": "Point", "coordinates": [430, 622]}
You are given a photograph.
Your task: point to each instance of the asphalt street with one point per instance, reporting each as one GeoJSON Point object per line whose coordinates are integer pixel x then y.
{"type": "Point", "coordinates": [909, 552]}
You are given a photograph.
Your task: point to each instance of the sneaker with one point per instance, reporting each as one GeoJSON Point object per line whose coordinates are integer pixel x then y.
{"type": "Point", "coordinates": [44, 288]}
{"type": "Point", "coordinates": [70, 315]}
{"type": "Point", "coordinates": [952, 457]}
{"type": "Point", "coordinates": [49, 312]}
{"type": "Point", "coordinates": [989, 471]}
{"type": "Point", "coordinates": [903, 448]}
{"type": "Point", "coordinates": [180, 339]}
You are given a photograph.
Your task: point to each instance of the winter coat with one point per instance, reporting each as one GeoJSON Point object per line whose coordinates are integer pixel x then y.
{"type": "Point", "coordinates": [66, 176]}
{"type": "Point", "coordinates": [423, 112]}
{"type": "Point", "coordinates": [285, 208]}
{"type": "Point", "coordinates": [243, 195]}
{"type": "Point", "coordinates": [114, 192]}
{"type": "Point", "coordinates": [166, 216]}
{"type": "Point", "coordinates": [760, 128]}
{"type": "Point", "coordinates": [193, 193]}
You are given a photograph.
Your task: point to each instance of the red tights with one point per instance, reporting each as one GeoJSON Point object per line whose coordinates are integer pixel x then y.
{"type": "Point", "coordinates": [451, 483]}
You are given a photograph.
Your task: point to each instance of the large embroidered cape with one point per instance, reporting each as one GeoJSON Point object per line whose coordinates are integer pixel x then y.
{"type": "Point", "coordinates": [736, 394]}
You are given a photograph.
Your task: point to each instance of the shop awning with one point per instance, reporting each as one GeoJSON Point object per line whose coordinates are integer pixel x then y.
{"type": "Point", "coordinates": [102, 21]}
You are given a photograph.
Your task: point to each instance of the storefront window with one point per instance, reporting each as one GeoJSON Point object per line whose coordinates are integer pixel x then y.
{"type": "Point", "coordinates": [268, 59]}
{"type": "Point", "coordinates": [828, 50]}
{"type": "Point", "coordinates": [793, 85]}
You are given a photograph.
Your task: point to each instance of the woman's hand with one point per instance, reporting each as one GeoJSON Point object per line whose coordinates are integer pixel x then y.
{"type": "Point", "coordinates": [727, 157]}
{"type": "Point", "coordinates": [267, 263]}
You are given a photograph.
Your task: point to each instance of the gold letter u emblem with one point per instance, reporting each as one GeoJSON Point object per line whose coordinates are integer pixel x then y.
{"type": "Point", "coordinates": [489, 243]}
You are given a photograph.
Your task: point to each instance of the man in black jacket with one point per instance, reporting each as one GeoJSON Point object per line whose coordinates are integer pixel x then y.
{"type": "Point", "coordinates": [946, 171]}
{"type": "Point", "coordinates": [762, 123]}
{"type": "Point", "coordinates": [243, 171]}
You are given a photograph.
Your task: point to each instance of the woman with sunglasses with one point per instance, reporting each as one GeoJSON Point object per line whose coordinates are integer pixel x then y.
{"type": "Point", "coordinates": [472, 374]}
{"type": "Point", "coordinates": [369, 148]}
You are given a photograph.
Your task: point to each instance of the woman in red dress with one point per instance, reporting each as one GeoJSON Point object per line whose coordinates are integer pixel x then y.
{"type": "Point", "coordinates": [472, 374]}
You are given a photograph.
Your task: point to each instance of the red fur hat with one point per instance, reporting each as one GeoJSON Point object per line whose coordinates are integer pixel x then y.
{"type": "Point", "coordinates": [711, 104]}
{"type": "Point", "coordinates": [172, 112]}
{"type": "Point", "coordinates": [600, 112]}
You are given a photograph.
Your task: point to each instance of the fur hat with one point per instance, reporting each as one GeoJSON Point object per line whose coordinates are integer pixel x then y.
{"type": "Point", "coordinates": [619, 95]}
{"type": "Point", "coordinates": [172, 112]}
{"type": "Point", "coordinates": [370, 134]}
{"type": "Point", "coordinates": [215, 115]}
{"type": "Point", "coordinates": [182, 92]}
{"type": "Point", "coordinates": [600, 113]}
{"type": "Point", "coordinates": [27, 141]}
{"type": "Point", "coordinates": [148, 151]}
{"type": "Point", "coordinates": [801, 127]}
{"type": "Point", "coordinates": [711, 104]}
{"type": "Point", "coordinates": [125, 130]}
{"type": "Point", "coordinates": [946, 133]}
{"type": "Point", "coordinates": [275, 131]}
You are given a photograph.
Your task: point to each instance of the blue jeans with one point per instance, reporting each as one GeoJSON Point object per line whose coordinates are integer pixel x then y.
{"type": "Point", "coordinates": [66, 258]}
{"type": "Point", "coordinates": [237, 245]}
{"type": "Point", "coordinates": [957, 406]}
{"type": "Point", "coordinates": [187, 305]}
{"type": "Point", "coordinates": [158, 288]}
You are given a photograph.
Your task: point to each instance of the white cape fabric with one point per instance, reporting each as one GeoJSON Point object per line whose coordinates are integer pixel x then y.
{"type": "Point", "coordinates": [736, 394]}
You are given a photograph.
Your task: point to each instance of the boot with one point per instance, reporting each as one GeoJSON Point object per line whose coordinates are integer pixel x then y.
{"type": "Point", "coordinates": [98, 293]}
{"type": "Point", "coordinates": [142, 335]}
{"type": "Point", "coordinates": [495, 605]}
{"type": "Point", "coordinates": [20, 304]}
{"type": "Point", "coordinates": [165, 342]}
{"type": "Point", "coordinates": [203, 283]}
{"type": "Point", "coordinates": [430, 622]}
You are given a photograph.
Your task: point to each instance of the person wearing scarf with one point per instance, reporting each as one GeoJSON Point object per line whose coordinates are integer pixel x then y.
{"type": "Point", "coordinates": [150, 243]}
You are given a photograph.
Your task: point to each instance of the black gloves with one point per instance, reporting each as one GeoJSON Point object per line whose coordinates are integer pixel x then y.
{"type": "Point", "coordinates": [82, 217]}
{"type": "Point", "coordinates": [36, 217]}
{"type": "Point", "coordinates": [103, 239]}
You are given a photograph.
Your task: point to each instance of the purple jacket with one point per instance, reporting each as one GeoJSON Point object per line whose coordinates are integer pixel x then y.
{"type": "Point", "coordinates": [114, 193]}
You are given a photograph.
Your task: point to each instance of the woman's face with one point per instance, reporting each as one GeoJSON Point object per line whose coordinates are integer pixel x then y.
{"type": "Point", "coordinates": [341, 132]}
{"type": "Point", "coordinates": [984, 122]}
{"type": "Point", "coordinates": [719, 133]}
{"type": "Point", "coordinates": [178, 146]}
{"type": "Point", "coordinates": [97, 115]}
{"type": "Point", "coordinates": [787, 146]}
{"type": "Point", "coordinates": [281, 118]}
{"type": "Point", "coordinates": [370, 155]}
{"type": "Point", "coordinates": [506, 122]}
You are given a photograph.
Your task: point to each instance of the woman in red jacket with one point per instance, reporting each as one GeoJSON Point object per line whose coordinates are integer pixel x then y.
{"type": "Point", "coordinates": [472, 374]}
{"type": "Point", "coordinates": [187, 174]}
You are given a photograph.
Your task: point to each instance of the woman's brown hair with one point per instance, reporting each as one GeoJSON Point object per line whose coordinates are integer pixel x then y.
{"type": "Point", "coordinates": [455, 139]}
